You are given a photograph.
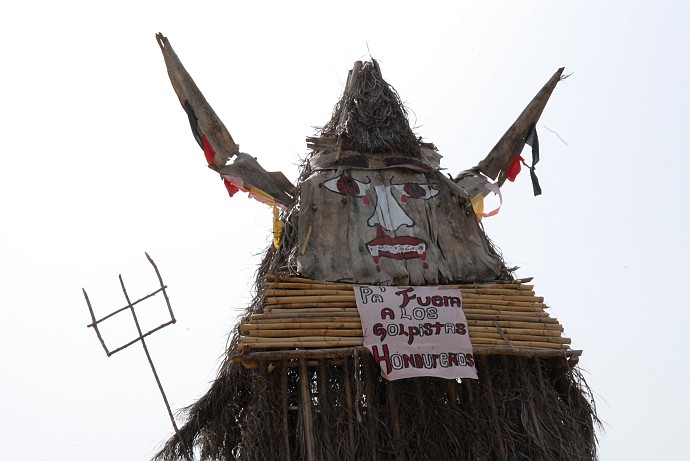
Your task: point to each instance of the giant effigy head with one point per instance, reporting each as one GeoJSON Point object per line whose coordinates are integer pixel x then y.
{"type": "Point", "coordinates": [373, 205]}
{"type": "Point", "coordinates": [380, 263]}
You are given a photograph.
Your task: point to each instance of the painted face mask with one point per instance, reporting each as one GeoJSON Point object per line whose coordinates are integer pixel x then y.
{"type": "Point", "coordinates": [388, 216]}
{"type": "Point", "coordinates": [390, 226]}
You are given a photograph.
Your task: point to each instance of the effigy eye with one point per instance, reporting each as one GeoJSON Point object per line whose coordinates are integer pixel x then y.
{"type": "Point", "coordinates": [347, 185]}
{"type": "Point", "coordinates": [414, 190]}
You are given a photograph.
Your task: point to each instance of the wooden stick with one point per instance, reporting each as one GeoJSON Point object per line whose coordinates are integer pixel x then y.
{"type": "Point", "coordinates": [321, 313]}
{"type": "Point", "coordinates": [516, 318]}
{"type": "Point", "coordinates": [282, 303]}
{"type": "Point", "coordinates": [305, 404]}
{"type": "Point", "coordinates": [395, 420]}
{"type": "Point", "coordinates": [486, 379]}
{"type": "Point", "coordinates": [288, 330]}
{"type": "Point", "coordinates": [516, 324]}
{"type": "Point", "coordinates": [517, 331]}
{"type": "Point", "coordinates": [271, 336]}
{"type": "Point", "coordinates": [275, 304]}
{"type": "Point", "coordinates": [309, 299]}
{"type": "Point", "coordinates": [304, 318]}
{"type": "Point", "coordinates": [326, 296]}
{"type": "Point", "coordinates": [533, 308]}
{"type": "Point", "coordinates": [473, 320]}
{"type": "Point", "coordinates": [514, 296]}
{"type": "Point", "coordinates": [324, 341]}
{"type": "Point", "coordinates": [284, 398]}
{"type": "Point", "coordinates": [273, 278]}
{"type": "Point", "coordinates": [261, 356]}
{"type": "Point", "coordinates": [304, 345]}
{"type": "Point", "coordinates": [463, 286]}
{"type": "Point", "coordinates": [524, 352]}
{"type": "Point", "coordinates": [514, 337]}
{"type": "Point", "coordinates": [502, 312]}
{"type": "Point", "coordinates": [302, 354]}
{"type": "Point", "coordinates": [314, 292]}
{"type": "Point", "coordinates": [536, 344]}
{"type": "Point", "coordinates": [294, 325]}
{"type": "Point", "coordinates": [347, 384]}
{"type": "Point", "coordinates": [477, 314]}
{"type": "Point", "coordinates": [317, 310]}
{"type": "Point", "coordinates": [307, 286]}
{"type": "Point", "coordinates": [297, 333]}
{"type": "Point", "coordinates": [494, 293]}
{"type": "Point", "coordinates": [302, 339]}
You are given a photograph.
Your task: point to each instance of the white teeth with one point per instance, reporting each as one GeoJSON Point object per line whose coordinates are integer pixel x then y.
{"type": "Point", "coordinates": [398, 248]}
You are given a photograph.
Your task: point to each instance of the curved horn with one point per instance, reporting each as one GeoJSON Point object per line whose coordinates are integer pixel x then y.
{"type": "Point", "coordinates": [244, 172]}
{"type": "Point", "coordinates": [511, 143]}
{"type": "Point", "coordinates": [204, 121]}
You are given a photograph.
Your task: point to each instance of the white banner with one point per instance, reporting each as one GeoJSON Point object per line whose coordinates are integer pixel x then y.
{"type": "Point", "coordinates": [416, 331]}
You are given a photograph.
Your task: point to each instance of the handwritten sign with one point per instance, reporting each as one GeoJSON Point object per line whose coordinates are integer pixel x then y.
{"type": "Point", "coordinates": [416, 331]}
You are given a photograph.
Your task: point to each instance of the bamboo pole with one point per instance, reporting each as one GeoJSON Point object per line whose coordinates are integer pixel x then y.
{"type": "Point", "coordinates": [251, 359]}
{"type": "Point", "coordinates": [305, 344]}
{"type": "Point", "coordinates": [525, 352]}
{"type": "Point", "coordinates": [329, 353]}
{"type": "Point", "coordinates": [546, 323]}
{"type": "Point", "coordinates": [512, 317]}
{"type": "Point", "coordinates": [480, 304]}
{"type": "Point", "coordinates": [317, 310]}
{"type": "Point", "coordinates": [513, 338]}
{"type": "Point", "coordinates": [522, 341]}
{"type": "Point", "coordinates": [301, 339]}
{"type": "Point", "coordinates": [475, 332]}
{"type": "Point", "coordinates": [325, 297]}
{"type": "Point", "coordinates": [475, 326]}
{"type": "Point", "coordinates": [298, 333]}
{"type": "Point", "coordinates": [302, 326]}
{"type": "Point", "coordinates": [277, 335]}
{"type": "Point", "coordinates": [309, 299]}
{"type": "Point", "coordinates": [338, 291]}
{"type": "Point", "coordinates": [500, 312]}
{"type": "Point", "coordinates": [307, 284]}
{"type": "Point", "coordinates": [515, 331]}
{"type": "Point", "coordinates": [273, 336]}
{"type": "Point", "coordinates": [532, 344]}
{"type": "Point", "coordinates": [515, 324]}
{"type": "Point", "coordinates": [304, 315]}
{"type": "Point", "coordinates": [315, 292]}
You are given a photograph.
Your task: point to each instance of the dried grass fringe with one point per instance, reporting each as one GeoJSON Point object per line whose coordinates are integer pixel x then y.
{"type": "Point", "coordinates": [520, 409]}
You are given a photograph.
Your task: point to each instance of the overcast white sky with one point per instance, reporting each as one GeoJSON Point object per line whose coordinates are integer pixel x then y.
{"type": "Point", "coordinates": [98, 166]}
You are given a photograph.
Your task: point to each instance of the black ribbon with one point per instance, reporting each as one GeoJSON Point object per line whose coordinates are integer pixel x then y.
{"type": "Point", "coordinates": [533, 141]}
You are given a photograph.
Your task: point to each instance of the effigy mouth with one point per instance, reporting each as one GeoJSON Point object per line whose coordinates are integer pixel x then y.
{"type": "Point", "coordinates": [403, 247]}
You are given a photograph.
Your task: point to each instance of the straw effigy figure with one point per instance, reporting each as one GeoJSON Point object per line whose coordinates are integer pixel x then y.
{"type": "Point", "coordinates": [373, 219]}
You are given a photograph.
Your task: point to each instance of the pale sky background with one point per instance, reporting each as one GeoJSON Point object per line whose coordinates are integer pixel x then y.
{"type": "Point", "coordinates": [99, 166]}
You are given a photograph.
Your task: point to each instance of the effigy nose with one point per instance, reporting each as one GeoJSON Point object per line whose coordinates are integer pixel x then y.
{"type": "Point", "coordinates": [388, 213]}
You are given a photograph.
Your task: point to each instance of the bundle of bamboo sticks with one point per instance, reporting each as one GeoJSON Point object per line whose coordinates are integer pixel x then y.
{"type": "Point", "coordinates": [304, 313]}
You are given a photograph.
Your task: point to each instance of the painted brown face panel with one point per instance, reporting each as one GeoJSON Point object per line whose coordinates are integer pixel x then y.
{"type": "Point", "coordinates": [393, 226]}
{"type": "Point", "coordinates": [388, 216]}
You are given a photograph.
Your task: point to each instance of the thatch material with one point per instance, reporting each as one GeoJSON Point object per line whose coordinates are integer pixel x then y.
{"type": "Point", "coordinates": [370, 117]}
{"type": "Point", "coordinates": [336, 406]}
{"type": "Point", "coordinates": [520, 409]}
